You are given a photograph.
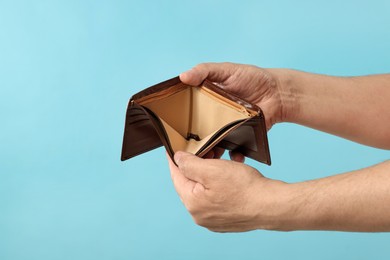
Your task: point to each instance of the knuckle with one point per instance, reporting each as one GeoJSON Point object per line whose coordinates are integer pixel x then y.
{"type": "Point", "coordinates": [191, 207]}
{"type": "Point", "coordinates": [201, 222]}
{"type": "Point", "coordinates": [216, 230]}
{"type": "Point", "coordinates": [198, 216]}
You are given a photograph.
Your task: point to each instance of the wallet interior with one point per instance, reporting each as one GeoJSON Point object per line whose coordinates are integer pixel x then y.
{"type": "Point", "coordinates": [193, 115]}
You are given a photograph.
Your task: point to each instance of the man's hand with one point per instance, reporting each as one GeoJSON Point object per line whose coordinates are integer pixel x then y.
{"type": "Point", "coordinates": [227, 196]}
{"type": "Point", "coordinates": [355, 108]}
{"type": "Point", "coordinates": [251, 83]}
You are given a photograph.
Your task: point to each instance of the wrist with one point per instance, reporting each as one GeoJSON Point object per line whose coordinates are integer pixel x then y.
{"type": "Point", "coordinates": [282, 208]}
{"type": "Point", "coordinates": [287, 86]}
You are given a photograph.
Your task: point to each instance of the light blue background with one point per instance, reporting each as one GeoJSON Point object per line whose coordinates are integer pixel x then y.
{"type": "Point", "coordinates": [67, 69]}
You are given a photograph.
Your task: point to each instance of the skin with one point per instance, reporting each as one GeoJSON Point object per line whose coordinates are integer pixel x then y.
{"type": "Point", "coordinates": [229, 196]}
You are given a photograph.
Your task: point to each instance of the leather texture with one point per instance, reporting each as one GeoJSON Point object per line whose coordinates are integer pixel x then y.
{"type": "Point", "coordinates": [193, 119]}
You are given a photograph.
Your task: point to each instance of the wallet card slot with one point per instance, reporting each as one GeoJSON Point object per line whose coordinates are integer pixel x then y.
{"type": "Point", "coordinates": [139, 138]}
{"type": "Point", "coordinates": [219, 135]}
{"type": "Point", "coordinates": [224, 100]}
{"type": "Point", "coordinates": [250, 139]}
{"type": "Point", "coordinates": [161, 131]}
{"type": "Point", "coordinates": [137, 113]}
{"type": "Point", "coordinates": [135, 119]}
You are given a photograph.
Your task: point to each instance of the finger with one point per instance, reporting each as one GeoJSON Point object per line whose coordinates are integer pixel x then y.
{"type": "Point", "coordinates": [237, 157]}
{"type": "Point", "coordinates": [182, 184]}
{"type": "Point", "coordinates": [217, 72]}
{"type": "Point", "coordinates": [215, 153]}
{"type": "Point", "coordinates": [218, 152]}
{"type": "Point", "coordinates": [209, 155]}
{"type": "Point", "coordinates": [192, 167]}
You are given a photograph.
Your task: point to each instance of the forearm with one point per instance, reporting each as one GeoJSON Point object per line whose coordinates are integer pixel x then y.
{"type": "Point", "coordinates": [354, 201]}
{"type": "Point", "coordinates": [356, 108]}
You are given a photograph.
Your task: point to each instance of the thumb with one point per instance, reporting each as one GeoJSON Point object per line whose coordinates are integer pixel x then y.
{"type": "Point", "coordinates": [191, 166]}
{"type": "Point", "coordinates": [181, 183]}
{"type": "Point", "coordinates": [216, 72]}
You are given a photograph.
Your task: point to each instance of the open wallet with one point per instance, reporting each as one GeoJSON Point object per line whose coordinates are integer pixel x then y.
{"type": "Point", "coordinates": [193, 119]}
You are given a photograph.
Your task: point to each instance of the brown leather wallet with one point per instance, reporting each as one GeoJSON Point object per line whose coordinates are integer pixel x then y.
{"type": "Point", "coordinates": [193, 119]}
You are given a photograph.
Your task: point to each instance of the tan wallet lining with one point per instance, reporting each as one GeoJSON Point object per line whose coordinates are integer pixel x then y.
{"type": "Point", "coordinates": [193, 110]}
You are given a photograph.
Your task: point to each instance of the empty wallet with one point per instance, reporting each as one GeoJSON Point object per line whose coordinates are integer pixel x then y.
{"type": "Point", "coordinates": [193, 119]}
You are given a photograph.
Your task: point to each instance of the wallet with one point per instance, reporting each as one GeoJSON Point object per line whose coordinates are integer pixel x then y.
{"type": "Point", "coordinates": [193, 119]}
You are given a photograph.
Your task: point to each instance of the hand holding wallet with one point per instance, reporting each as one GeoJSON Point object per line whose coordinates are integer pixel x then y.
{"type": "Point", "coordinates": [193, 119]}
